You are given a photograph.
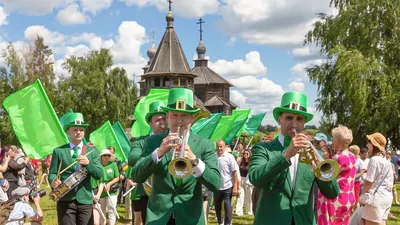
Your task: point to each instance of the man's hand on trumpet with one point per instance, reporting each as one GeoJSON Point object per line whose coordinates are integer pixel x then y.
{"type": "Point", "coordinates": [298, 142]}
{"type": "Point", "coordinates": [188, 153]}
{"type": "Point", "coordinates": [167, 144]}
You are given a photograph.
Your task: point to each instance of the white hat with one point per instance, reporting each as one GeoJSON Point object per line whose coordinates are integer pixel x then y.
{"type": "Point", "coordinates": [107, 152]}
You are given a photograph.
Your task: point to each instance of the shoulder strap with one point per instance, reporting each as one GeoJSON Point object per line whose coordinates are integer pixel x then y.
{"type": "Point", "coordinates": [84, 147]}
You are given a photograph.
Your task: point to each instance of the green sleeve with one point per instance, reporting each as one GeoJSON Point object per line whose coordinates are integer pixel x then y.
{"type": "Point", "coordinates": [266, 167]}
{"type": "Point", "coordinates": [94, 169]}
{"type": "Point", "coordinates": [54, 166]}
{"type": "Point", "coordinates": [145, 167]}
{"type": "Point", "coordinates": [211, 177]}
{"type": "Point", "coordinates": [329, 189]}
{"type": "Point", "coordinates": [136, 152]}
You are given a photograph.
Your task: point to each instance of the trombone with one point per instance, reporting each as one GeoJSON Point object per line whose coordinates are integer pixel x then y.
{"type": "Point", "coordinates": [180, 167]}
{"type": "Point", "coordinates": [325, 170]}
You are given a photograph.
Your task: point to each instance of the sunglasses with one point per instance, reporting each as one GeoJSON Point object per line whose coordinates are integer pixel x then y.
{"type": "Point", "coordinates": [106, 155]}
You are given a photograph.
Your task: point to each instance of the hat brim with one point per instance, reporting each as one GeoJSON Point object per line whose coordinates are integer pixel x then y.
{"type": "Point", "coordinates": [192, 112]}
{"type": "Point", "coordinates": [75, 125]}
{"type": "Point", "coordinates": [150, 114]}
{"type": "Point", "coordinates": [278, 110]}
{"type": "Point", "coordinates": [375, 143]}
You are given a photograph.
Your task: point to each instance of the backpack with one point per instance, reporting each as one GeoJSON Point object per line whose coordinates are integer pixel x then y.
{"type": "Point", "coordinates": [5, 210]}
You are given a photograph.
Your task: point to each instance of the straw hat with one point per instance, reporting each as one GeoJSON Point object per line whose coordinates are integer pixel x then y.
{"type": "Point", "coordinates": [378, 140]}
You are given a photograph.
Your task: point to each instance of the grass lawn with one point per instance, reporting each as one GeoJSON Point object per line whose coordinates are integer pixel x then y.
{"type": "Point", "coordinates": [50, 214]}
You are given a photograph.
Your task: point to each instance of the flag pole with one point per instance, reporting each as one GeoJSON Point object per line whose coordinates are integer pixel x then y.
{"type": "Point", "coordinates": [237, 141]}
{"type": "Point", "coordinates": [249, 142]}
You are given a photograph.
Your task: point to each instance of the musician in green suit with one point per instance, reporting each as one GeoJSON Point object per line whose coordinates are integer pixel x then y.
{"type": "Point", "coordinates": [286, 184]}
{"type": "Point", "coordinates": [156, 119]}
{"type": "Point", "coordinates": [76, 206]}
{"type": "Point", "coordinates": [177, 200]}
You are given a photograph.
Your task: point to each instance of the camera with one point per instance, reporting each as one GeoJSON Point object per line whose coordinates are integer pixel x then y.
{"type": "Point", "coordinates": [34, 194]}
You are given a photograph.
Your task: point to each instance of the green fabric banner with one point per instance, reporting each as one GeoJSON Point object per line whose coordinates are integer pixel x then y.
{"type": "Point", "coordinates": [140, 127]}
{"type": "Point", "coordinates": [34, 121]}
{"type": "Point", "coordinates": [105, 136]}
{"type": "Point", "coordinates": [205, 127]}
{"type": "Point", "coordinates": [236, 130]}
{"type": "Point", "coordinates": [122, 138]}
{"type": "Point", "coordinates": [254, 123]}
{"type": "Point", "coordinates": [223, 127]}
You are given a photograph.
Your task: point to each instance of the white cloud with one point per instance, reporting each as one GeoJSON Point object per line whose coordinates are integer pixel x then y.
{"type": "Point", "coordinates": [95, 6]}
{"type": "Point", "coordinates": [306, 53]}
{"type": "Point", "coordinates": [34, 7]}
{"type": "Point", "coordinates": [3, 17]}
{"type": "Point", "coordinates": [131, 36]}
{"type": "Point", "coordinates": [299, 69]}
{"type": "Point", "coordinates": [51, 38]}
{"type": "Point", "coordinates": [232, 41]}
{"type": "Point", "coordinates": [252, 66]}
{"type": "Point", "coordinates": [296, 86]}
{"type": "Point", "coordinates": [272, 22]}
{"type": "Point", "coordinates": [71, 15]}
{"type": "Point", "coordinates": [185, 8]}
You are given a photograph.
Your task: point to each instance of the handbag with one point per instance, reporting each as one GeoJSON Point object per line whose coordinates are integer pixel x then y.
{"type": "Point", "coordinates": [368, 197]}
{"type": "Point", "coordinates": [356, 218]}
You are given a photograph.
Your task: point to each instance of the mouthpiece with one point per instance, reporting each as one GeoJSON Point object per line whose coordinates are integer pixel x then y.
{"type": "Point", "coordinates": [162, 126]}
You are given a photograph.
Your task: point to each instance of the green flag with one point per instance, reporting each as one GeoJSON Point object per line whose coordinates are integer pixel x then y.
{"type": "Point", "coordinates": [205, 127]}
{"type": "Point", "coordinates": [237, 126]}
{"type": "Point", "coordinates": [105, 136]}
{"type": "Point", "coordinates": [122, 138]}
{"type": "Point", "coordinates": [223, 127]}
{"type": "Point", "coordinates": [34, 121]}
{"type": "Point", "coordinates": [140, 127]}
{"type": "Point", "coordinates": [254, 122]}
{"type": "Point", "coordinates": [64, 120]}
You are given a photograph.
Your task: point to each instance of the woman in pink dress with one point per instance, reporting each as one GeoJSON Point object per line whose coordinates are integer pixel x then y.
{"type": "Point", "coordinates": [338, 211]}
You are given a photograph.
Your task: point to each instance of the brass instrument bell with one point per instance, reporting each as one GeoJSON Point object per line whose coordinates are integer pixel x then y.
{"type": "Point", "coordinates": [324, 170]}
{"type": "Point", "coordinates": [180, 167]}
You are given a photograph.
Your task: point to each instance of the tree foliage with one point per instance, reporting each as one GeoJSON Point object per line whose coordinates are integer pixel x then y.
{"type": "Point", "coordinates": [359, 83]}
{"type": "Point", "coordinates": [97, 90]}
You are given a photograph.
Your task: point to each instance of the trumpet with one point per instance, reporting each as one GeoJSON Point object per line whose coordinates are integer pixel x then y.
{"type": "Point", "coordinates": [325, 170]}
{"type": "Point", "coordinates": [180, 167]}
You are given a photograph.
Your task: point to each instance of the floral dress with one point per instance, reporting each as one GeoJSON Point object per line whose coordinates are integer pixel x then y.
{"type": "Point", "coordinates": [338, 211]}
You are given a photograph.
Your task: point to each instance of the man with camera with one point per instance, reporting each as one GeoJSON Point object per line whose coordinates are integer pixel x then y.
{"type": "Point", "coordinates": [22, 210]}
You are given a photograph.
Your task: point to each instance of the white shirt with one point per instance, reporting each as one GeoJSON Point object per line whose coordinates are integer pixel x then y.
{"type": "Point", "coordinates": [227, 166]}
{"type": "Point", "coordinates": [80, 146]}
{"type": "Point", "coordinates": [380, 169]}
{"type": "Point", "coordinates": [364, 167]}
{"type": "Point", "coordinates": [197, 171]}
{"type": "Point", "coordinates": [294, 160]}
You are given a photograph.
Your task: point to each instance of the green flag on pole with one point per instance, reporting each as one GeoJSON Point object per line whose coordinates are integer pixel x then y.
{"type": "Point", "coordinates": [223, 127]}
{"type": "Point", "coordinates": [237, 126]}
{"type": "Point", "coordinates": [34, 121]}
{"type": "Point", "coordinates": [105, 136]}
{"type": "Point", "coordinates": [205, 127]}
{"type": "Point", "coordinates": [64, 120]}
{"type": "Point", "coordinates": [140, 127]}
{"type": "Point", "coordinates": [122, 138]}
{"type": "Point", "coordinates": [254, 122]}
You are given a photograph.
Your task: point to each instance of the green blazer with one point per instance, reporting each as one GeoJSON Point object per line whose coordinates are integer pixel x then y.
{"type": "Point", "coordinates": [269, 171]}
{"type": "Point", "coordinates": [134, 156]}
{"type": "Point", "coordinates": [84, 192]}
{"type": "Point", "coordinates": [166, 196]}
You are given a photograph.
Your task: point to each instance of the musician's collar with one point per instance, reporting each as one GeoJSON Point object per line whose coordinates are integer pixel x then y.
{"type": "Point", "coordinates": [80, 146]}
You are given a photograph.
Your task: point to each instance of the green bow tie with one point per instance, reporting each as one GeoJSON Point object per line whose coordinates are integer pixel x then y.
{"type": "Point", "coordinates": [286, 142]}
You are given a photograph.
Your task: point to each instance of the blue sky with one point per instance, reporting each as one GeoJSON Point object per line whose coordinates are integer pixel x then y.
{"type": "Point", "coordinates": [255, 44]}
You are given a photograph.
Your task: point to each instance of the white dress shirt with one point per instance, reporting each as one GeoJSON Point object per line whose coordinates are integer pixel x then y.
{"type": "Point", "coordinates": [294, 160]}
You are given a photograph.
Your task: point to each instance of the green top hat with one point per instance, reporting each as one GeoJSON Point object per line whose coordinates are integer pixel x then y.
{"type": "Point", "coordinates": [293, 102]}
{"type": "Point", "coordinates": [154, 109]}
{"type": "Point", "coordinates": [180, 100]}
{"type": "Point", "coordinates": [75, 120]}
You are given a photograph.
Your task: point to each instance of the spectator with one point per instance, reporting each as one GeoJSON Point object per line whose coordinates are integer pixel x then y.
{"type": "Point", "coordinates": [15, 165]}
{"type": "Point", "coordinates": [379, 174]}
{"type": "Point", "coordinates": [360, 171]}
{"type": "Point", "coordinates": [22, 210]}
{"type": "Point", "coordinates": [245, 186]}
{"type": "Point", "coordinates": [365, 159]}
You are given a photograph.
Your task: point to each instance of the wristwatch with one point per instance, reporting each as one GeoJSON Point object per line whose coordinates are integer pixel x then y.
{"type": "Point", "coordinates": [195, 162]}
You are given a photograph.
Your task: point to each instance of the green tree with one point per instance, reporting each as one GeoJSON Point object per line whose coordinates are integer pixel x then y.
{"type": "Point", "coordinates": [359, 82]}
{"type": "Point", "coordinates": [97, 90]}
